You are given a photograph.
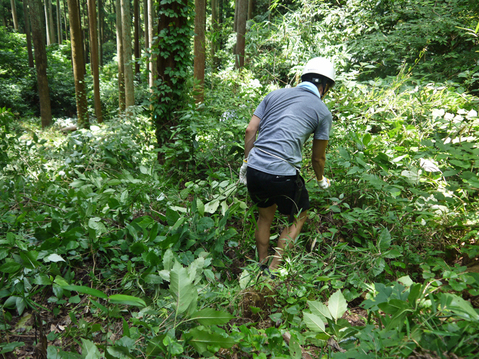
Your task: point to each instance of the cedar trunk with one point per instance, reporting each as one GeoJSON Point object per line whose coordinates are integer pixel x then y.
{"type": "Point", "coordinates": [215, 8]}
{"type": "Point", "coordinates": [29, 35]}
{"type": "Point", "coordinates": [128, 71]}
{"type": "Point", "coordinates": [136, 15]}
{"type": "Point", "coordinates": [200, 49]}
{"type": "Point", "coordinates": [94, 59]}
{"type": "Point", "coordinates": [14, 14]}
{"type": "Point", "coordinates": [146, 21]}
{"type": "Point", "coordinates": [153, 65]}
{"type": "Point", "coordinates": [59, 23]}
{"type": "Point", "coordinates": [171, 100]}
{"type": "Point", "coordinates": [78, 64]}
{"type": "Point", "coordinates": [121, 59]}
{"type": "Point", "coordinates": [49, 23]}
{"type": "Point", "coordinates": [40, 62]}
{"type": "Point", "coordinates": [241, 32]}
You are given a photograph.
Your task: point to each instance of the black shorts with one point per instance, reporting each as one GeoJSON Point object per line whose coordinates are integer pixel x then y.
{"type": "Point", "coordinates": [266, 190]}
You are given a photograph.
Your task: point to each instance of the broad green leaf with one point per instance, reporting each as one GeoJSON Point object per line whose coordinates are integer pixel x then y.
{"type": "Point", "coordinates": [96, 224]}
{"type": "Point", "coordinates": [89, 350]}
{"type": "Point", "coordinates": [200, 207]}
{"type": "Point", "coordinates": [210, 316]}
{"type": "Point", "coordinates": [337, 305]}
{"type": "Point", "coordinates": [86, 290]}
{"type": "Point", "coordinates": [410, 175]}
{"type": "Point", "coordinates": [168, 259]}
{"type": "Point", "coordinates": [414, 293]}
{"type": "Point", "coordinates": [378, 266]}
{"type": "Point", "coordinates": [10, 302]}
{"type": "Point", "coordinates": [196, 267]}
{"type": "Point", "coordinates": [153, 279]}
{"type": "Point", "coordinates": [295, 351]}
{"type": "Point", "coordinates": [385, 239]}
{"type": "Point", "coordinates": [124, 197]}
{"type": "Point", "coordinates": [181, 287]}
{"type": "Point", "coordinates": [224, 207]}
{"type": "Point", "coordinates": [164, 274]}
{"type": "Point", "coordinates": [174, 347]}
{"type": "Point", "coordinates": [212, 206]}
{"type": "Point", "coordinates": [201, 339]}
{"type": "Point", "coordinates": [344, 153]}
{"type": "Point", "coordinates": [171, 216]}
{"type": "Point", "coordinates": [53, 352]}
{"type": "Point", "coordinates": [395, 306]}
{"type": "Point", "coordinates": [20, 304]}
{"type": "Point", "coordinates": [319, 309]}
{"type": "Point", "coordinates": [314, 322]}
{"type": "Point", "coordinates": [459, 306]}
{"type": "Point", "coordinates": [10, 347]}
{"type": "Point", "coordinates": [10, 267]}
{"type": "Point", "coordinates": [366, 139]}
{"type": "Point", "coordinates": [53, 258]}
{"type": "Point", "coordinates": [126, 300]}
{"type": "Point", "coordinates": [77, 183]}
{"type": "Point", "coordinates": [118, 352]}
{"type": "Point", "coordinates": [245, 279]}
{"type": "Point", "coordinates": [428, 165]}
{"type": "Point", "coordinates": [114, 182]}
{"type": "Point", "coordinates": [406, 280]}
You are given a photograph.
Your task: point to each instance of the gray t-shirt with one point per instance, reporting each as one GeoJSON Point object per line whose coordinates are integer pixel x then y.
{"type": "Point", "coordinates": [288, 117]}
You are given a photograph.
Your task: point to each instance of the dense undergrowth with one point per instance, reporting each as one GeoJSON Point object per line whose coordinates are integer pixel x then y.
{"type": "Point", "coordinates": [96, 234]}
{"type": "Point", "coordinates": [106, 253]}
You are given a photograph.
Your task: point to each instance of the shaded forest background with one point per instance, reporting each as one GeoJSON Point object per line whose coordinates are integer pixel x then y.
{"type": "Point", "coordinates": [125, 233]}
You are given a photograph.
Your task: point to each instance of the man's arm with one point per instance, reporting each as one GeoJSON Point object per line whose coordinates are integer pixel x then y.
{"type": "Point", "coordinates": [319, 157]}
{"type": "Point", "coordinates": [250, 135]}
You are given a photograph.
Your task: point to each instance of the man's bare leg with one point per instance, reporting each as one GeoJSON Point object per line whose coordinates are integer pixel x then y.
{"type": "Point", "coordinates": [263, 229]}
{"type": "Point", "coordinates": [287, 238]}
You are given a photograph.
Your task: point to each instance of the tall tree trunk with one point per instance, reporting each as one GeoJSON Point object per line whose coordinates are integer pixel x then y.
{"type": "Point", "coordinates": [94, 59]}
{"type": "Point", "coordinates": [78, 64]}
{"type": "Point", "coordinates": [101, 26]}
{"type": "Point", "coordinates": [126, 32]}
{"type": "Point", "coordinates": [136, 15]}
{"type": "Point", "coordinates": [240, 35]}
{"type": "Point", "coordinates": [199, 49]}
{"type": "Point", "coordinates": [250, 9]}
{"type": "Point", "coordinates": [14, 14]}
{"type": "Point", "coordinates": [174, 41]}
{"type": "Point", "coordinates": [235, 23]}
{"type": "Point", "coordinates": [215, 28]}
{"type": "Point", "coordinates": [51, 22]}
{"type": "Point", "coordinates": [59, 23]}
{"type": "Point", "coordinates": [153, 64]}
{"type": "Point", "coordinates": [65, 19]}
{"type": "Point", "coordinates": [121, 59]}
{"type": "Point", "coordinates": [84, 26]}
{"type": "Point", "coordinates": [28, 33]}
{"type": "Point", "coordinates": [146, 21]}
{"type": "Point", "coordinates": [40, 62]}
{"type": "Point", "coordinates": [47, 25]}
{"type": "Point", "coordinates": [50, 27]}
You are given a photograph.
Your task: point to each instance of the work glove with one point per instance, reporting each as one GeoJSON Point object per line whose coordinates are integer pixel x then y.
{"type": "Point", "coordinates": [324, 183]}
{"type": "Point", "coordinates": [242, 172]}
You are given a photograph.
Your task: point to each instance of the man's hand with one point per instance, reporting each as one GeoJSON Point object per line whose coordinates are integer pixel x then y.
{"type": "Point", "coordinates": [242, 172]}
{"type": "Point", "coordinates": [324, 183]}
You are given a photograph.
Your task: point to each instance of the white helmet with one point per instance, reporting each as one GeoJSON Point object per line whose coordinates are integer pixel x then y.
{"type": "Point", "coordinates": [320, 66]}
